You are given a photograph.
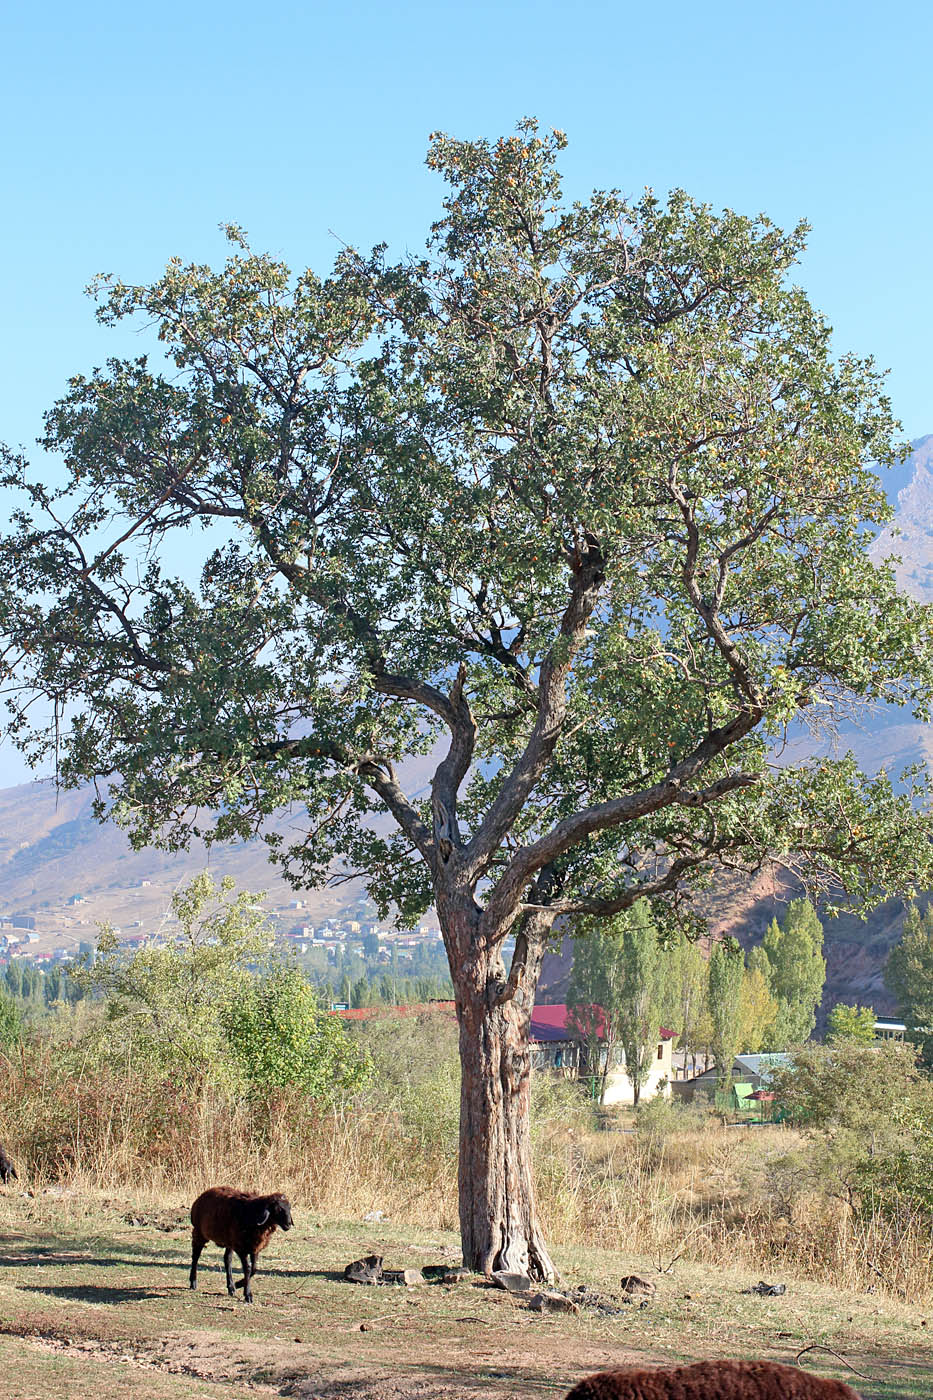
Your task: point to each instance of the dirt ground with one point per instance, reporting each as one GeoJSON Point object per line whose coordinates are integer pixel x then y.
{"type": "Point", "coordinates": [94, 1301]}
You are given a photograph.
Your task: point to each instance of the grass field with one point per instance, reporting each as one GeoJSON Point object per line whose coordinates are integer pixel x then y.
{"type": "Point", "coordinates": [94, 1301]}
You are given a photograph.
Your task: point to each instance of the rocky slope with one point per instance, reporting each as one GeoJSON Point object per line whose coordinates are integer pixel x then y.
{"type": "Point", "coordinates": [910, 534]}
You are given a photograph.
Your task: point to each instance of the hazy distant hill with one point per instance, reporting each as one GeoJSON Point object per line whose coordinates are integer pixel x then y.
{"type": "Point", "coordinates": [52, 849]}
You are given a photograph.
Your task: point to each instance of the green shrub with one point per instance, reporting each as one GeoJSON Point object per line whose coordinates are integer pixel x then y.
{"type": "Point", "coordinates": [280, 1037]}
{"type": "Point", "coordinates": [661, 1118]}
{"type": "Point", "coordinates": [11, 1023]}
{"type": "Point", "coordinates": [868, 1116]}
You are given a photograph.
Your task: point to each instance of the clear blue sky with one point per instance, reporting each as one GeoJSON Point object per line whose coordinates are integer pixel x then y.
{"type": "Point", "coordinates": [131, 131]}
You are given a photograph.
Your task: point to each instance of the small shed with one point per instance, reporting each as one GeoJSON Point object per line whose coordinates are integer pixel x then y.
{"type": "Point", "coordinates": [750, 1071]}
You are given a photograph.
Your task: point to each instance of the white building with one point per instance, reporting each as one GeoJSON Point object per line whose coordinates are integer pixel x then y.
{"type": "Point", "coordinates": [559, 1046]}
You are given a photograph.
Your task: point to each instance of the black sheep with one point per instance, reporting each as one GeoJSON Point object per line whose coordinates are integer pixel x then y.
{"type": "Point", "coordinates": [238, 1221]}
{"type": "Point", "coordinates": [7, 1169]}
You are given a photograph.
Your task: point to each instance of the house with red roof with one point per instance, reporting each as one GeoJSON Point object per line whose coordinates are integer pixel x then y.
{"type": "Point", "coordinates": [558, 1045]}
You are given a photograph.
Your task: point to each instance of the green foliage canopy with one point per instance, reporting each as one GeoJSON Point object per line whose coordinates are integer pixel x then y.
{"type": "Point", "coordinates": [11, 1023]}
{"type": "Point", "coordinates": [579, 495]}
{"type": "Point", "coordinates": [868, 1112]}
{"type": "Point", "coordinates": [214, 1004]}
{"type": "Point", "coordinates": [281, 1037]}
{"type": "Point", "coordinates": [164, 1001]}
{"type": "Point", "coordinates": [758, 1010]}
{"type": "Point", "coordinates": [796, 971]}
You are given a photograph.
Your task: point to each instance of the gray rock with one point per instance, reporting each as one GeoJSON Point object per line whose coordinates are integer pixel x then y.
{"type": "Point", "coordinates": [552, 1302]}
{"type": "Point", "coordinates": [512, 1283]}
{"type": "Point", "coordinates": [406, 1277]}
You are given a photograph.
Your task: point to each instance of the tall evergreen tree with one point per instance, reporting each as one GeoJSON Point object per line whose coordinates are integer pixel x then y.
{"type": "Point", "coordinates": [908, 974]}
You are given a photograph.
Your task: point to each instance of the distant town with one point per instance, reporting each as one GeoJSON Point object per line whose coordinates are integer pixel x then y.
{"type": "Point", "coordinates": [56, 934]}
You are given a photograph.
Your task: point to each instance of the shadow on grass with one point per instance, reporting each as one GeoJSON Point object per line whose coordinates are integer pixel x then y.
{"type": "Point", "coordinates": [326, 1276]}
{"type": "Point", "coordinates": [905, 1380]}
{"type": "Point", "coordinates": [30, 1258]}
{"type": "Point", "coordinates": [427, 1382]}
{"type": "Point", "coordinates": [97, 1293]}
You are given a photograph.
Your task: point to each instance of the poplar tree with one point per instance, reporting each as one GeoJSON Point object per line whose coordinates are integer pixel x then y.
{"type": "Point", "coordinates": [758, 1011]}
{"type": "Point", "coordinates": [637, 1018]}
{"type": "Point", "coordinates": [726, 972]}
{"type": "Point", "coordinates": [908, 974]}
{"type": "Point", "coordinates": [796, 971]}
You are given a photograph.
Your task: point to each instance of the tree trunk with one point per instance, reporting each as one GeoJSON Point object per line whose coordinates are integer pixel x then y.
{"type": "Point", "coordinates": [498, 1219]}
{"type": "Point", "coordinates": [605, 1077]}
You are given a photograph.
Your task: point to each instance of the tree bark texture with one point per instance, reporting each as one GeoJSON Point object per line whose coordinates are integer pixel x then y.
{"type": "Point", "coordinates": [498, 1217]}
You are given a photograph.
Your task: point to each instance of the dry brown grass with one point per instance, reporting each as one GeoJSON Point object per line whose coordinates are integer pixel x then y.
{"type": "Point", "coordinates": [719, 1195]}
{"type": "Point", "coordinates": [727, 1196]}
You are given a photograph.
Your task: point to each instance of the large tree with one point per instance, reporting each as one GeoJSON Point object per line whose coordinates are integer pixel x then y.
{"type": "Point", "coordinates": [575, 504]}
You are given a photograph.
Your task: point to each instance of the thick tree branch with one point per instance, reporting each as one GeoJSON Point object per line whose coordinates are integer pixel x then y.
{"type": "Point", "coordinates": [708, 611]}
{"type": "Point", "coordinates": [452, 770]}
{"type": "Point", "coordinates": [552, 709]}
{"type": "Point", "coordinates": [530, 945]}
{"type": "Point", "coordinates": [371, 769]}
{"type": "Point", "coordinates": [614, 904]}
{"type": "Point", "coordinates": [503, 903]}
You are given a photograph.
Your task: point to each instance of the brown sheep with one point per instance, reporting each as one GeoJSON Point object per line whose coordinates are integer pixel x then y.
{"type": "Point", "coordinates": [712, 1380]}
{"type": "Point", "coordinates": [239, 1221]}
{"type": "Point", "coordinates": [7, 1169]}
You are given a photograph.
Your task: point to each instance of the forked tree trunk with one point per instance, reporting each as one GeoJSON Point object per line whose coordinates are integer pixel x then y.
{"type": "Point", "coordinates": [498, 1220]}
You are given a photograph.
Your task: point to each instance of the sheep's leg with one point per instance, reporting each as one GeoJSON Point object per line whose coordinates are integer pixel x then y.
{"type": "Point", "coordinates": [228, 1265]}
{"type": "Point", "coordinates": [241, 1282]}
{"type": "Point", "coordinates": [245, 1260]}
{"type": "Point", "coordinates": [197, 1244]}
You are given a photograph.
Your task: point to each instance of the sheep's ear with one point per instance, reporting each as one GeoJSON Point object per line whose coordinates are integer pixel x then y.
{"type": "Point", "coordinates": [263, 1215]}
